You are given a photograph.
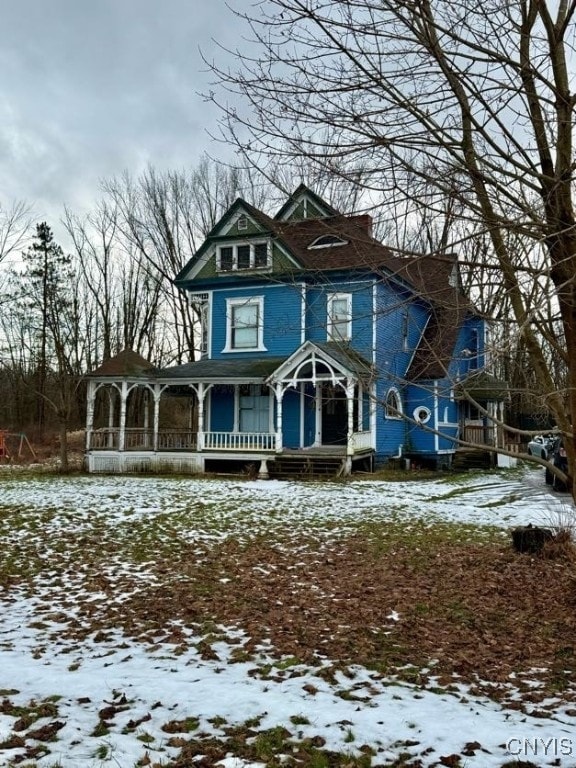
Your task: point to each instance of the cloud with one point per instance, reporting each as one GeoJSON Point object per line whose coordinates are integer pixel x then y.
{"type": "Point", "coordinates": [89, 90]}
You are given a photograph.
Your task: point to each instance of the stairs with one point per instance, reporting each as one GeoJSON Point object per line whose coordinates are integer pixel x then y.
{"type": "Point", "coordinates": [472, 458]}
{"type": "Point", "coordinates": [305, 467]}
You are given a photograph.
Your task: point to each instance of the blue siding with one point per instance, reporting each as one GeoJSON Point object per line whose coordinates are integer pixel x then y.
{"type": "Point", "coordinates": [291, 419]}
{"type": "Point", "coordinates": [222, 409]}
{"type": "Point", "coordinates": [317, 312]}
{"type": "Point", "coordinates": [399, 326]}
{"type": "Point", "coordinates": [281, 321]}
{"type": "Point", "coordinates": [469, 351]}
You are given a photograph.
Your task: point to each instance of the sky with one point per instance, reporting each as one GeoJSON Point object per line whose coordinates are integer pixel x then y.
{"type": "Point", "coordinates": [147, 685]}
{"type": "Point", "coordinates": [91, 89]}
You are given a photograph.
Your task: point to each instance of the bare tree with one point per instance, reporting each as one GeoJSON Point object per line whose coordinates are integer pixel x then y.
{"type": "Point", "coordinates": [473, 101]}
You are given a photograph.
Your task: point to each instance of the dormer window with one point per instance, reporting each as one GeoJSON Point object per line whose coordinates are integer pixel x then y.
{"type": "Point", "coordinates": [243, 256]}
{"type": "Point", "coordinates": [327, 241]}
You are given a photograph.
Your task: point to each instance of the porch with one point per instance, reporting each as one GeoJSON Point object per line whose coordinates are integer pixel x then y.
{"type": "Point", "coordinates": [250, 412]}
{"type": "Point", "coordinates": [184, 451]}
{"type": "Point", "coordinates": [187, 451]}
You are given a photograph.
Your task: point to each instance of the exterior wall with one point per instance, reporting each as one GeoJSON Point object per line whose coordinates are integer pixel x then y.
{"type": "Point", "coordinates": [470, 349]}
{"type": "Point", "coordinates": [221, 409]}
{"type": "Point", "coordinates": [282, 311]}
{"type": "Point", "coordinates": [399, 327]}
{"type": "Point", "coordinates": [436, 397]}
{"type": "Point", "coordinates": [280, 265]}
{"type": "Point", "coordinates": [291, 419]}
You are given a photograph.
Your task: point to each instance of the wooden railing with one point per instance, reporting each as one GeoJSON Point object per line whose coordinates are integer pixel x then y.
{"type": "Point", "coordinates": [361, 441]}
{"type": "Point", "coordinates": [239, 441]}
{"type": "Point", "coordinates": [136, 439]}
{"type": "Point", "coordinates": [103, 440]}
{"type": "Point", "coordinates": [479, 434]}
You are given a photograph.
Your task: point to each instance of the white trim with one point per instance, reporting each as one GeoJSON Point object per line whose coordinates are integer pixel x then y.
{"type": "Point", "coordinates": [436, 419]}
{"type": "Point", "coordinates": [302, 410]}
{"type": "Point", "coordinates": [246, 301]}
{"type": "Point", "coordinates": [335, 243]}
{"type": "Point", "coordinates": [302, 313]}
{"type": "Point", "coordinates": [374, 320]}
{"type": "Point", "coordinates": [395, 391]}
{"type": "Point", "coordinates": [417, 414]}
{"type": "Point", "coordinates": [234, 246]}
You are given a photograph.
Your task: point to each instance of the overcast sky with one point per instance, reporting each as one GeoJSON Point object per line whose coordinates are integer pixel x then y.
{"type": "Point", "coordinates": [90, 88]}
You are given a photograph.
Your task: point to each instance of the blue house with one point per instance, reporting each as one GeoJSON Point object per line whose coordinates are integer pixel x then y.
{"type": "Point", "coordinates": [318, 345]}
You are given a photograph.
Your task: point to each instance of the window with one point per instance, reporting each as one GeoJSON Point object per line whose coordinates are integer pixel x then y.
{"type": "Point", "coordinates": [201, 302]}
{"type": "Point", "coordinates": [253, 408]}
{"type": "Point", "coordinates": [242, 223]}
{"type": "Point", "coordinates": [405, 331]}
{"type": "Point", "coordinates": [327, 241]}
{"type": "Point", "coordinates": [339, 316]}
{"type": "Point", "coordinates": [422, 414]}
{"type": "Point", "coordinates": [244, 325]}
{"type": "Point", "coordinates": [226, 259]}
{"type": "Point", "coordinates": [243, 256]}
{"type": "Point", "coordinates": [393, 405]}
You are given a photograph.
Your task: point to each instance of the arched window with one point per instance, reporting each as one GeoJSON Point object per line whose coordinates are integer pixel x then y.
{"type": "Point", "coordinates": [326, 241]}
{"type": "Point", "coordinates": [393, 404]}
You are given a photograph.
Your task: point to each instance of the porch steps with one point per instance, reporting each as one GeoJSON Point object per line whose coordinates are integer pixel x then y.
{"type": "Point", "coordinates": [472, 458]}
{"type": "Point", "coordinates": [305, 467]}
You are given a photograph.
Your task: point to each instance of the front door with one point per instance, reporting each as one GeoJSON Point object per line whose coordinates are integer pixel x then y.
{"type": "Point", "coordinates": [334, 415]}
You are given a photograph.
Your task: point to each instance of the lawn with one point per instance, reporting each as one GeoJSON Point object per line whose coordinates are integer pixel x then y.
{"type": "Point", "coordinates": [203, 622]}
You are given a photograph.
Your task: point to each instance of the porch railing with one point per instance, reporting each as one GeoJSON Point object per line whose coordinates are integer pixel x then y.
{"type": "Point", "coordinates": [239, 441]}
{"type": "Point", "coordinates": [136, 439]}
{"type": "Point", "coordinates": [479, 434]}
{"type": "Point", "coordinates": [361, 441]}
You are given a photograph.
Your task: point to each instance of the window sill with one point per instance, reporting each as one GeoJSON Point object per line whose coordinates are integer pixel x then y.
{"type": "Point", "coordinates": [251, 349]}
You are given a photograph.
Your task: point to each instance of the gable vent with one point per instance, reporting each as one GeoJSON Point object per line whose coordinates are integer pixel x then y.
{"type": "Point", "coordinates": [242, 223]}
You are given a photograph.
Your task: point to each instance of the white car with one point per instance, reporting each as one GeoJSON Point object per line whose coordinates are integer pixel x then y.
{"type": "Point", "coordinates": [540, 446]}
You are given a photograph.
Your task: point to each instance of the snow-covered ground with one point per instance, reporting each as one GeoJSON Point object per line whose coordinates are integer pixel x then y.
{"type": "Point", "coordinates": [149, 685]}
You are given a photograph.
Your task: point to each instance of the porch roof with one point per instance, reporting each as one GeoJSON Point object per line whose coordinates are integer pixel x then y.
{"type": "Point", "coordinates": [213, 371]}
{"type": "Point", "coordinates": [481, 385]}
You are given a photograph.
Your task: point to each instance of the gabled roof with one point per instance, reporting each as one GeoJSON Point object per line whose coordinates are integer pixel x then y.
{"type": "Point", "coordinates": [298, 196]}
{"type": "Point", "coordinates": [438, 279]}
{"type": "Point", "coordinates": [432, 277]}
{"type": "Point", "coordinates": [481, 386]}
{"type": "Point", "coordinates": [338, 358]}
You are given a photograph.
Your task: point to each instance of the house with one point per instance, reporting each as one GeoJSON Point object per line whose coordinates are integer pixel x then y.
{"type": "Point", "coordinates": [319, 345]}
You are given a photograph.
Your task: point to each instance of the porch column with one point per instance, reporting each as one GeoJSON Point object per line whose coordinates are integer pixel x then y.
{"type": "Point", "coordinates": [156, 416]}
{"type": "Point", "coordinates": [360, 419]}
{"type": "Point", "coordinates": [279, 393]}
{"type": "Point", "coordinates": [112, 391]}
{"type": "Point", "coordinates": [146, 397]}
{"type": "Point", "coordinates": [318, 431]}
{"type": "Point", "coordinates": [200, 437]}
{"type": "Point", "coordinates": [350, 386]}
{"type": "Point", "coordinates": [123, 400]}
{"type": "Point", "coordinates": [90, 400]}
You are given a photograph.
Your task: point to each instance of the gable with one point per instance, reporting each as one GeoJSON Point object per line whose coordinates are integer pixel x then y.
{"type": "Point", "coordinates": [304, 204]}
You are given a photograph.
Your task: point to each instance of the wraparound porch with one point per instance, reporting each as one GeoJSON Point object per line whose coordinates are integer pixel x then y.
{"type": "Point", "coordinates": [188, 451]}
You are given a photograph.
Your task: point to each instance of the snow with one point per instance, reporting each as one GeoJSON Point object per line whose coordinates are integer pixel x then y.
{"type": "Point", "coordinates": [156, 682]}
